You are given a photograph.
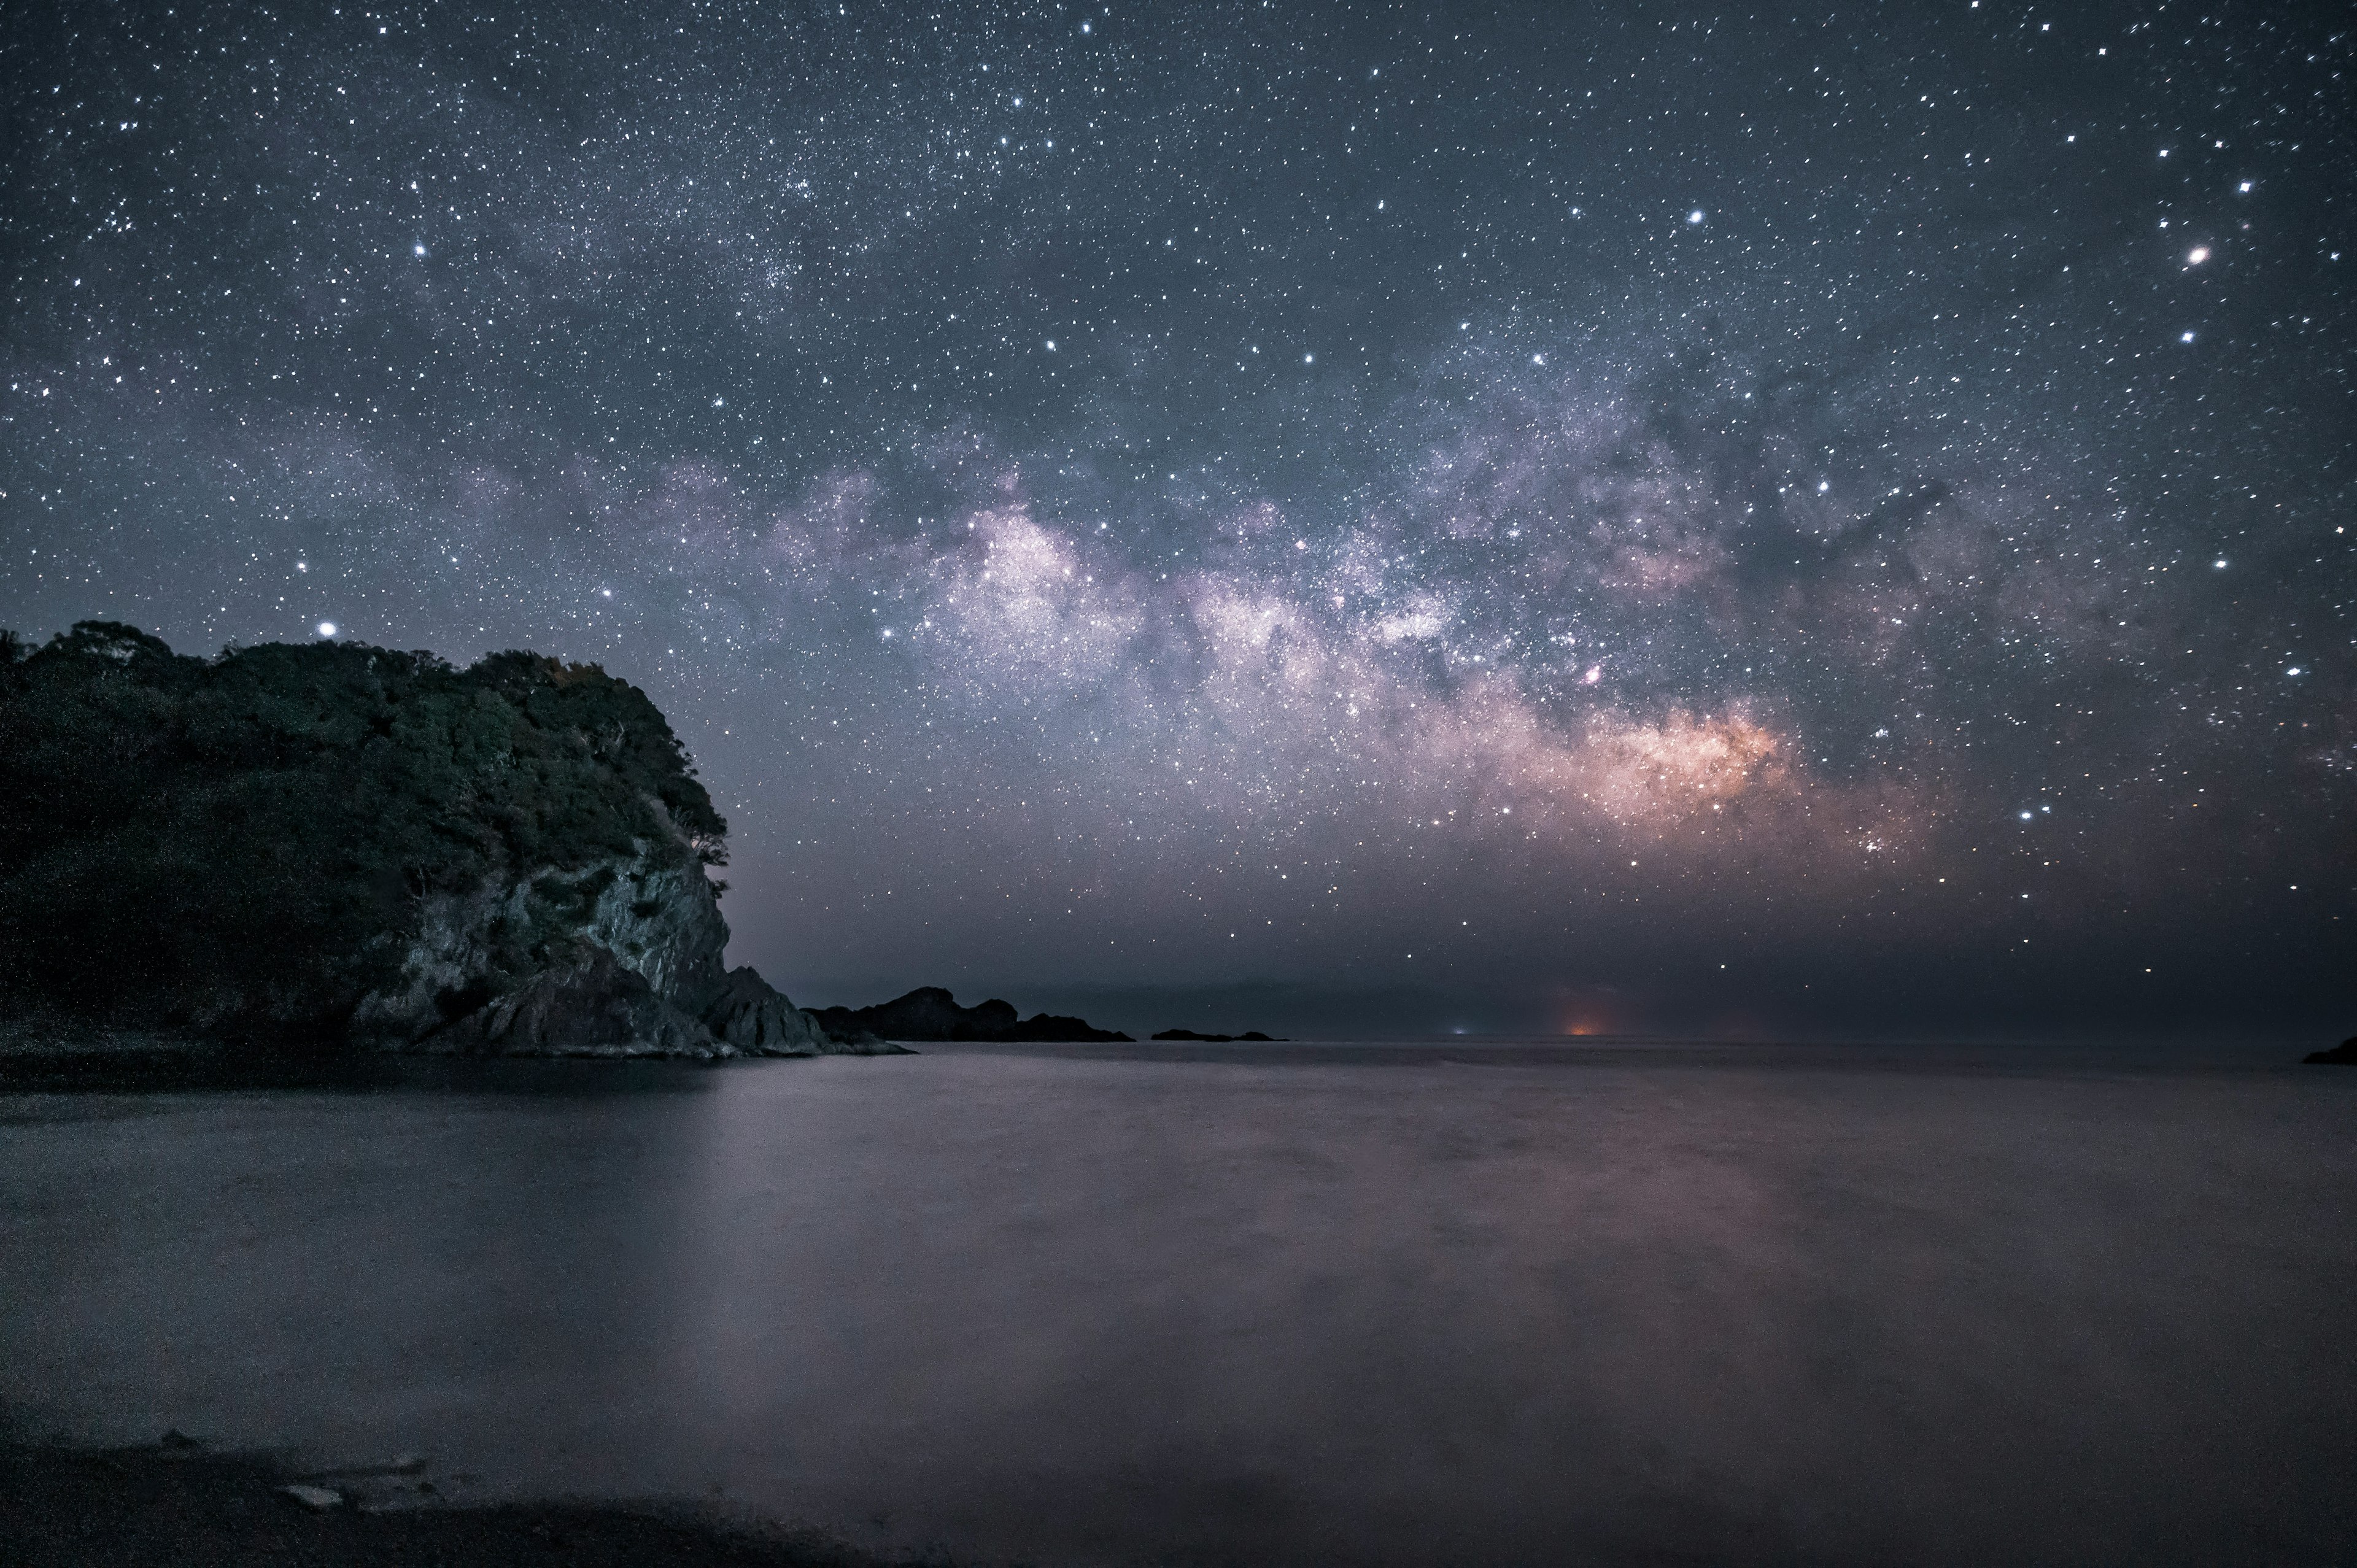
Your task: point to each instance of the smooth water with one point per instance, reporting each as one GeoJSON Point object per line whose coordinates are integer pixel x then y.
{"type": "Point", "coordinates": [1263, 1305]}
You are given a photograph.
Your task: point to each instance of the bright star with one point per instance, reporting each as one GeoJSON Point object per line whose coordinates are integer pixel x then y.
{"type": "Point", "coordinates": [2185, 337]}
{"type": "Point", "coordinates": [2196, 256]}
{"type": "Point", "coordinates": [420, 249]}
{"type": "Point", "coordinates": [327, 628]}
{"type": "Point", "coordinates": [1696, 215]}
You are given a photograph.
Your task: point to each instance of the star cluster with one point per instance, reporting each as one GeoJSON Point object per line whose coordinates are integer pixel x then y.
{"type": "Point", "coordinates": [1536, 518]}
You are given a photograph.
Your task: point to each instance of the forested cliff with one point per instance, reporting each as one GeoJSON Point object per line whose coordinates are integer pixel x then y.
{"type": "Point", "coordinates": [342, 845]}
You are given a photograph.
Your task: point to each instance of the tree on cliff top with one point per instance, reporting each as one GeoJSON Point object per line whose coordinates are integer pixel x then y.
{"type": "Point", "coordinates": [228, 843]}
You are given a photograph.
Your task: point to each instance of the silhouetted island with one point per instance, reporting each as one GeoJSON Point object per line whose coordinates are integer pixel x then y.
{"type": "Point", "coordinates": [294, 850]}
{"type": "Point", "coordinates": [1214, 1039]}
{"type": "Point", "coordinates": [2342, 1055]}
{"type": "Point", "coordinates": [930, 1013]}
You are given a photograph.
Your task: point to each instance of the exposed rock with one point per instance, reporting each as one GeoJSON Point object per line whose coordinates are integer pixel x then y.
{"type": "Point", "coordinates": [319, 1499]}
{"type": "Point", "coordinates": [1213, 1039]}
{"type": "Point", "coordinates": [588, 1007]}
{"type": "Point", "coordinates": [2342, 1055]}
{"type": "Point", "coordinates": [751, 1017]}
{"type": "Point", "coordinates": [621, 958]}
{"type": "Point", "coordinates": [931, 1013]}
{"type": "Point", "coordinates": [864, 1045]}
{"type": "Point", "coordinates": [659, 989]}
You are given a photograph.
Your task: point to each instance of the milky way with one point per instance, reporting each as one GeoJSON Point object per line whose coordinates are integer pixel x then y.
{"type": "Point", "coordinates": [1584, 520]}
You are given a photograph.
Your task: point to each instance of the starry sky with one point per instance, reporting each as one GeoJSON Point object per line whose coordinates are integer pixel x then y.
{"type": "Point", "coordinates": [1333, 518]}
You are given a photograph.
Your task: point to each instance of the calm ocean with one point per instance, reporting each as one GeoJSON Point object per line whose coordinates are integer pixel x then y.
{"type": "Point", "coordinates": [1475, 1303]}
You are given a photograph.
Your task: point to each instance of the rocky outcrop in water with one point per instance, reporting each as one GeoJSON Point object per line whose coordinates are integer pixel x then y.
{"type": "Point", "coordinates": [336, 846]}
{"type": "Point", "coordinates": [2342, 1055]}
{"type": "Point", "coordinates": [930, 1013]}
{"type": "Point", "coordinates": [1249, 1035]}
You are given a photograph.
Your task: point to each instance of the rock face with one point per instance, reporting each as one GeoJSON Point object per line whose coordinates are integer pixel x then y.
{"type": "Point", "coordinates": [589, 1005]}
{"type": "Point", "coordinates": [623, 959]}
{"type": "Point", "coordinates": [2342, 1055]}
{"type": "Point", "coordinates": [749, 1016]}
{"type": "Point", "coordinates": [1213, 1039]}
{"type": "Point", "coordinates": [930, 1013]}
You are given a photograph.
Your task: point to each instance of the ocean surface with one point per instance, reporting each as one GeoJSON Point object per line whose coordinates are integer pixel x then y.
{"type": "Point", "coordinates": [1465, 1303]}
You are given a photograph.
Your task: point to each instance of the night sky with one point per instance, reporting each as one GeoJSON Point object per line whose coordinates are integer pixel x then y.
{"type": "Point", "coordinates": [1325, 517]}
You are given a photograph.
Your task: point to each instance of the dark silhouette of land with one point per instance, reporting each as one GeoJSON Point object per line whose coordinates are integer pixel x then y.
{"type": "Point", "coordinates": [297, 850]}
{"type": "Point", "coordinates": [931, 1013]}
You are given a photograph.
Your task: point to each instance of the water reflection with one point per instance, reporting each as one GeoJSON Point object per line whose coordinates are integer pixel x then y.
{"type": "Point", "coordinates": [1470, 1305]}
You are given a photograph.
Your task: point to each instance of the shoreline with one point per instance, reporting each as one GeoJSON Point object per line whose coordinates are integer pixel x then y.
{"type": "Point", "coordinates": [177, 1502]}
{"type": "Point", "coordinates": [101, 1060]}
{"type": "Point", "coordinates": [126, 1062]}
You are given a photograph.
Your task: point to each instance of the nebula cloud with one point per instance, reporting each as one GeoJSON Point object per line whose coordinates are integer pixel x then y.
{"type": "Point", "coordinates": [1559, 522]}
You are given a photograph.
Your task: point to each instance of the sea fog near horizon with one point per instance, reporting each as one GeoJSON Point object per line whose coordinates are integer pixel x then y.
{"type": "Point", "coordinates": [1475, 1302]}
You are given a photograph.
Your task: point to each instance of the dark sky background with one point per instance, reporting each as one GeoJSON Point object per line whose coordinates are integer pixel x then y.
{"type": "Point", "coordinates": [1328, 518]}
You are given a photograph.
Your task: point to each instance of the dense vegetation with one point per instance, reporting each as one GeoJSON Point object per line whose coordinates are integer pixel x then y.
{"type": "Point", "coordinates": [239, 842]}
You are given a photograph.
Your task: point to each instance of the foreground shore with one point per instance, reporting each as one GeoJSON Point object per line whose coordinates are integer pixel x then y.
{"type": "Point", "coordinates": [63, 1508]}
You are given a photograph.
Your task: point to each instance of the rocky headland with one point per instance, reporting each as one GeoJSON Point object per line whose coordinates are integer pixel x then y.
{"type": "Point", "coordinates": [930, 1013]}
{"type": "Point", "coordinates": [303, 849]}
